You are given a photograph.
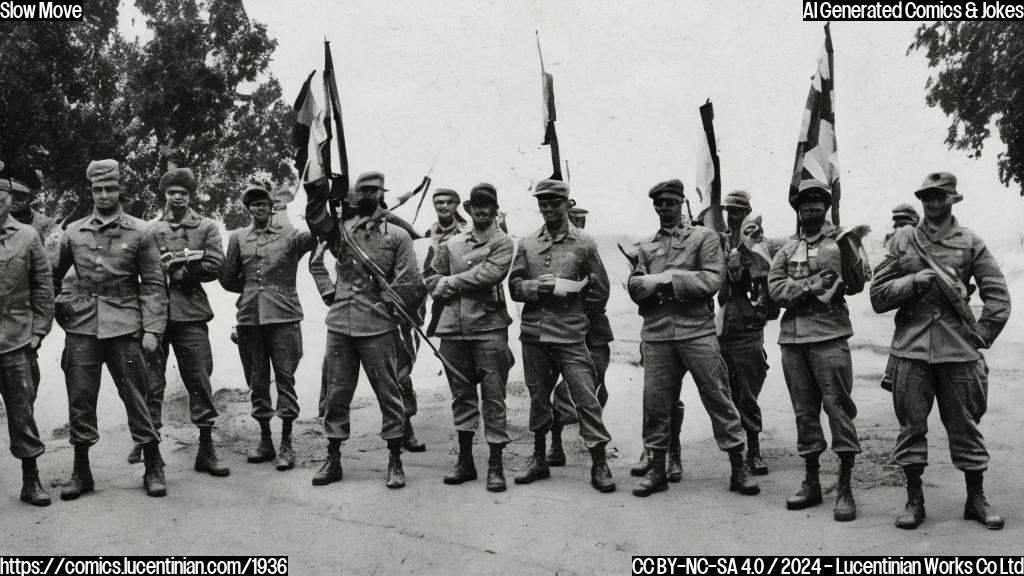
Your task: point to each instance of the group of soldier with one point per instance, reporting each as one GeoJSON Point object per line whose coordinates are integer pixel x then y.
{"type": "Point", "coordinates": [137, 291]}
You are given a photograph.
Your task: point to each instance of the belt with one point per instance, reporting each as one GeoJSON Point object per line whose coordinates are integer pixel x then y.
{"type": "Point", "coordinates": [117, 288]}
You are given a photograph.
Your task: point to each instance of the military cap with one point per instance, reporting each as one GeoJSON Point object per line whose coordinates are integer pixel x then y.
{"type": "Point", "coordinates": [254, 192]}
{"type": "Point", "coordinates": [483, 194]}
{"type": "Point", "coordinates": [17, 179]}
{"type": "Point", "coordinates": [178, 178]}
{"type": "Point", "coordinates": [103, 172]}
{"type": "Point", "coordinates": [366, 178]}
{"type": "Point", "coordinates": [737, 199]}
{"type": "Point", "coordinates": [811, 191]}
{"type": "Point", "coordinates": [445, 192]}
{"type": "Point", "coordinates": [673, 187]}
{"type": "Point", "coordinates": [905, 212]}
{"type": "Point", "coordinates": [549, 188]}
{"type": "Point", "coordinates": [943, 181]}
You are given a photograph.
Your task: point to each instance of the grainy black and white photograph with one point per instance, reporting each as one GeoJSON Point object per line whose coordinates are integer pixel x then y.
{"type": "Point", "coordinates": [531, 287]}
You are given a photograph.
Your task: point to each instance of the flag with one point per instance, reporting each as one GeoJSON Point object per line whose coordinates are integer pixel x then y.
{"type": "Point", "coordinates": [308, 135]}
{"type": "Point", "coordinates": [816, 150]}
{"type": "Point", "coordinates": [550, 136]}
{"type": "Point", "coordinates": [709, 174]}
{"type": "Point", "coordinates": [340, 180]}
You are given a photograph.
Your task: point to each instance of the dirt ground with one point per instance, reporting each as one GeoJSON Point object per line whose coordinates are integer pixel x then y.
{"type": "Point", "coordinates": [556, 526]}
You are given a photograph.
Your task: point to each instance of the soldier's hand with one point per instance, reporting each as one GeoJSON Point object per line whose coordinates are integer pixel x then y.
{"type": "Point", "coordinates": [150, 342]}
{"type": "Point", "coordinates": [644, 286]}
{"type": "Point", "coordinates": [828, 278]}
{"type": "Point", "coordinates": [36, 341]}
{"type": "Point", "coordinates": [815, 285]}
{"type": "Point", "coordinates": [234, 334]}
{"type": "Point", "coordinates": [546, 284]}
{"type": "Point", "coordinates": [443, 290]}
{"type": "Point", "coordinates": [923, 279]}
{"type": "Point", "coordinates": [179, 274]}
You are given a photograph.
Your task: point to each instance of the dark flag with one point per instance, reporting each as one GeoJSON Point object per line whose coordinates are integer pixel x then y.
{"type": "Point", "coordinates": [340, 179]}
{"type": "Point", "coordinates": [709, 174]}
{"type": "Point", "coordinates": [816, 156]}
{"type": "Point", "coordinates": [550, 136]}
{"type": "Point", "coordinates": [308, 135]}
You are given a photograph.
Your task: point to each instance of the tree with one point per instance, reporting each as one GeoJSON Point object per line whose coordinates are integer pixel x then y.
{"type": "Point", "coordinates": [980, 77]}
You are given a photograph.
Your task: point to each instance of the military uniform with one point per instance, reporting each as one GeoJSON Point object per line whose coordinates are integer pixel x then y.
{"type": "Point", "coordinates": [937, 357]}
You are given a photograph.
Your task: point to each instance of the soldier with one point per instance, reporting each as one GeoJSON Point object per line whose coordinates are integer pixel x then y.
{"type": "Point", "coordinates": [26, 297]}
{"type": "Point", "coordinates": [466, 277]}
{"type": "Point", "coordinates": [599, 335]}
{"type": "Point", "coordinates": [191, 253]}
{"type": "Point", "coordinates": [360, 328]}
{"type": "Point", "coordinates": [745, 312]}
{"type": "Point", "coordinates": [805, 279]}
{"type": "Point", "coordinates": [902, 215]}
{"type": "Point", "coordinates": [260, 264]}
{"type": "Point", "coordinates": [24, 187]}
{"type": "Point", "coordinates": [678, 273]}
{"type": "Point", "coordinates": [559, 275]}
{"type": "Point", "coordinates": [119, 295]}
{"type": "Point", "coordinates": [937, 341]}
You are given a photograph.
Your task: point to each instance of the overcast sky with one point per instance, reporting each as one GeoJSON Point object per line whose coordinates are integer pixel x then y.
{"type": "Point", "coordinates": [459, 80]}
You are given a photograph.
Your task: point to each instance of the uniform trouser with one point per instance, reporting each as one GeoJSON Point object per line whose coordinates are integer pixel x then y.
{"type": "Point", "coordinates": [565, 412]}
{"type": "Point", "coordinates": [18, 390]}
{"type": "Point", "coordinates": [962, 392]}
{"type": "Point", "coordinates": [747, 363]}
{"type": "Point", "coordinates": [665, 364]}
{"type": "Point", "coordinates": [83, 360]}
{"type": "Point", "coordinates": [542, 363]}
{"type": "Point", "coordinates": [191, 343]}
{"type": "Point", "coordinates": [243, 356]}
{"type": "Point", "coordinates": [404, 363]}
{"type": "Point", "coordinates": [279, 345]}
{"type": "Point", "coordinates": [820, 375]}
{"type": "Point", "coordinates": [377, 356]}
{"type": "Point", "coordinates": [494, 356]}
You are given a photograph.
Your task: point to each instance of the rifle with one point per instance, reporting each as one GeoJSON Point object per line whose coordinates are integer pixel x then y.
{"type": "Point", "coordinates": [953, 289]}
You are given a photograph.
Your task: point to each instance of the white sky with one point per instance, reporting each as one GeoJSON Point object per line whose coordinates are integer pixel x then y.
{"type": "Point", "coordinates": [460, 80]}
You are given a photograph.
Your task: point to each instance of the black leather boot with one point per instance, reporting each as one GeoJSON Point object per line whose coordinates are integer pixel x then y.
{"type": "Point", "coordinates": [976, 507]}
{"type": "Point", "coordinates": [153, 479]}
{"type": "Point", "coordinates": [739, 480]}
{"type": "Point", "coordinates": [600, 474]}
{"type": "Point", "coordinates": [286, 456]}
{"type": "Point", "coordinates": [845, 509]}
{"type": "Point", "coordinates": [642, 465]}
{"type": "Point", "coordinates": [264, 452]}
{"type": "Point", "coordinates": [655, 480]}
{"type": "Point", "coordinates": [409, 440]}
{"type": "Point", "coordinates": [754, 460]}
{"type": "Point", "coordinates": [674, 472]}
{"type": "Point", "coordinates": [495, 470]}
{"type": "Point", "coordinates": [913, 514]}
{"type": "Point", "coordinates": [135, 456]}
{"type": "Point", "coordinates": [31, 488]}
{"type": "Point", "coordinates": [537, 468]}
{"type": "Point", "coordinates": [331, 469]}
{"type": "Point", "coordinates": [81, 475]}
{"type": "Point", "coordinates": [556, 456]}
{"type": "Point", "coordinates": [465, 468]}
{"type": "Point", "coordinates": [396, 475]}
{"type": "Point", "coordinates": [206, 457]}
{"type": "Point", "coordinates": [810, 490]}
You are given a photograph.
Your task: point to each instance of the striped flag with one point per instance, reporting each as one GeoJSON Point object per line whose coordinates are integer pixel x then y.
{"type": "Point", "coordinates": [308, 135]}
{"type": "Point", "coordinates": [709, 174]}
{"type": "Point", "coordinates": [816, 156]}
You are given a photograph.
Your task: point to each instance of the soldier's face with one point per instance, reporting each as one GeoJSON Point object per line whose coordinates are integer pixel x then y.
{"type": "Point", "coordinates": [177, 198]}
{"type": "Point", "coordinates": [812, 214]}
{"type": "Point", "coordinates": [366, 198]}
{"type": "Point", "coordinates": [553, 210]}
{"type": "Point", "coordinates": [20, 202]}
{"type": "Point", "coordinates": [5, 204]}
{"type": "Point", "coordinates": [106, 196]}
{"type": "Point", "coordinates": [483, 215]}
{"type": "Point", "coordinates": [260, 212]}
{"type": "Point", "coordinates": [735, 216]}
{"type": "Point", "coordinates": [937, 204]}
{"type": "Point", "coordinates": [445, 207]}
{"type": "Point", "coordinates": [669, 210]}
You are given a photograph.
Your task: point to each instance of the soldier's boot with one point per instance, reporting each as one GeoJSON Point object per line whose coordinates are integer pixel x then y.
{"type": "Point", "coordinates": [655, 479]}
{"type": "Point", "coordinates": [286, 456]}
{"type": "Point", "coordinates": [409, 440]}
{"type": "Point", "coordinates": [976, 507]}
{"type": "Point", "coordinates": [845, 509]}
{"type": "Point", "coordinates": [331, 470]}
{"type": "Point", "coordinates": [396, 475]}
{"type": "Point", "coordinates": [135, 456]}
{"type": "Point", "coordinates": [206, 457]}
{"type": "Point", "coordinates": [642, 465]}
{"type": "Point", "coordinates": [740, 480]}
{"type": "Point", "coordinates": [264, 452]}
{"type": "Point", "coordinates": [31, 488]}
{"type": "Point", "coordinates": [675, 449]}
{"type": "Point", "coordinates": [556, 456]}
{"type": "Point", "coordinates": [465, 468]}
{"type": "Point", "coordinates": [754, 460]}
{"type": "Point", "coordinates": [810, 490]}
{"type": "Point", "coordinates": [913, 514]}
{"type": "Point", "coordinates": [153, 479]}
{"type": "Point", "coordinates": [600, 473]}
{"type": "Point", "coordinates": [496, 470]}
{"type": "Point", "coordinates": [537, 468]}
{"type": "Point", "coordinates": [81, 475]}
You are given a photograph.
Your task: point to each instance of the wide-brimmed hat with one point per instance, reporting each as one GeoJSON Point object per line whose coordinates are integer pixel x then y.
{"type": "Point", "coordinates": [943, 181]}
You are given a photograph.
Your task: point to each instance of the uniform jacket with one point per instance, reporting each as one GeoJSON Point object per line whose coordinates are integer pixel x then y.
{"type": "Point", "coordinates": [48, 232]}
{"type": "Point", "coordinates": [261, 265]}
{"type": "Point", "coordinates": [806, 318]}
{"type": "Point", "coordinates": [120, 285]}
{"type": "Point", "coordinates": [188, 300]}
{"type": "Point", "coordinates": [475, 264]}
{"type": "Point", "coordinates": [571, 255]}
{"type": "Point", "coordinates": [927, 326]}
{"type": "Point", "coordinates": [26, 291]}
{"type": "Point", "coordinates": [685, 308]}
